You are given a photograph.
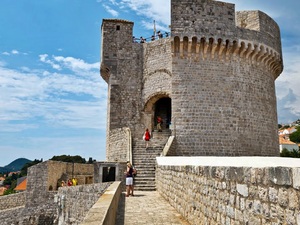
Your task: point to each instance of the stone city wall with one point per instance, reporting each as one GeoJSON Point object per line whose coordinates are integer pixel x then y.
{"type": "Point", "coordinates": [67, 206]}
{"type": "Point", "coordinates": [43, 206]}
{"type": "Point", "coordinates": [216, 193]}
{"type": "Point", "coordinates": [46, 176]}
{"type": "Point", "coordinates": [9, 216]}
{"type": "Point", "coordinates": [12, 201]}
{"type": "Point", "coordinates": [74, 202]}
{"type": "Point", "coordinates": [62, 170]}
{"type": "Point", "coordinates": [42, 213]}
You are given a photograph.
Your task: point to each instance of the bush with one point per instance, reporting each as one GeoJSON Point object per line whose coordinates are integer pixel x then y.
{"type": "Point", "coordinates": [9, 191]}
{"type": "Point", "coordinates": [292, 154]}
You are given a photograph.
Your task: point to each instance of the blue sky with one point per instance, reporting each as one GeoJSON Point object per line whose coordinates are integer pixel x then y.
{"type": "Point", "coordinates": [52, 98]}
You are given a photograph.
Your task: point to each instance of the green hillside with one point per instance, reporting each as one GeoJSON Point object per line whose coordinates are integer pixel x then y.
{"type": "Point", "coordinates": [15, 165]}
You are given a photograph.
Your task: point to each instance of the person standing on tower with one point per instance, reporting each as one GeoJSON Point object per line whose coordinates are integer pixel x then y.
{"type": "Point", "coordinates": [159, 122]}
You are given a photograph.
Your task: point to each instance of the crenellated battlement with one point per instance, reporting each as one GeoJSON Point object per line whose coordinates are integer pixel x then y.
{"type": "Point", "coordinates": [220, 49]}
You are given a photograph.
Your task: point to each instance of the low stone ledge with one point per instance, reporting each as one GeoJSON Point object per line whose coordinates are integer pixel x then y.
{"type": "Point", "coordinates": [104, 211]}
{"type": "Point", "coordinates": [250, 161]}
{"type": "Point", "coordinates": [233, 190]}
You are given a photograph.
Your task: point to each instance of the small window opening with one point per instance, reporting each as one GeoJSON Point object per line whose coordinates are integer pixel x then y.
{"type": "Point", "coordinates": [118, 27]}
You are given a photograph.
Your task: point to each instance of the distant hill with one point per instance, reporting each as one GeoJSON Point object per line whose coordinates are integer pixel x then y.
{"type": "Point", "coordinates": [15, 165]}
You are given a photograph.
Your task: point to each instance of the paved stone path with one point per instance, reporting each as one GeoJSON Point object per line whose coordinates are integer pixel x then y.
{"type": "Point", "coordinates": [147, 208]}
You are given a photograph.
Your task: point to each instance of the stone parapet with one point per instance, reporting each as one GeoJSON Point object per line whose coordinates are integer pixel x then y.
{"type": "Point", "coordinates": [104, 211]}
{"type": "Point", "coordinates": [213, 29]}
{"type": "Point", "coordinates": [73, 203]}
{"type": "Point", "coordinates": [44, 213]}
{"type": "Point", "coordinates": [231, 190]}
{"type": "Point", "coordinates": [12, 201]}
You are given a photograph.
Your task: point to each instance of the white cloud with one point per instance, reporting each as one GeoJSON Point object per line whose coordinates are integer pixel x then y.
{"type": "Point", "coordinates": [114, 2]}
{"type": "Point", "coordinates": [150, 10]}
{"type": "Point", "coordinates": [2, 63]}
{"type": "Point", "coordinates": [111, 11]}
{"type": "Point", "coordinates": [76, 65]}
{"type": "Point", "coordinates": [15, 52]}
{"type": "Point", "coordinates": [44, 58]}
{"type": "Point", "coordinates": [154, 10]}
{"type": "Point", "coordinates": [61, 99]}
{"type": "Point", "coordinates": [287, 86]}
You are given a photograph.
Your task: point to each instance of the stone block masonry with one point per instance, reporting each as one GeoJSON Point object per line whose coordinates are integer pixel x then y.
{"type": "Point", "coordinates": [73, 203]}
{"type": "Point", "coordinates": [12, 201]}
{"type": "Point", "coordinates": [224, 190]}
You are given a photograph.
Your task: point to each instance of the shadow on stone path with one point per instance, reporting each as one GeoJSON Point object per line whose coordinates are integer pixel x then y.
{"type": "Point", "coordinates": [147, 207]}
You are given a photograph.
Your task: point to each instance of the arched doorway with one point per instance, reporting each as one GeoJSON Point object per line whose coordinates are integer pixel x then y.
{"type": "Point", "coordinates": [162, 108]}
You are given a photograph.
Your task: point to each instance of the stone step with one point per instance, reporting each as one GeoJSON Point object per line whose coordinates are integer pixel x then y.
{"type": "Point", "coordinates": [144, 160]}
{"type": "Point", "coordinates": [145, 188]}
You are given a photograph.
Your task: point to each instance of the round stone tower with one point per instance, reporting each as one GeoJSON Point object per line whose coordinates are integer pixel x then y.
{"type": "Point", "coordinates": [213, 78]}
{"type": "Point", "coordinates": [223, 70]}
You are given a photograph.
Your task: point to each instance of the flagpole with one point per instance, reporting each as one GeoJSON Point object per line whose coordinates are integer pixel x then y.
{"type": "Point", "coordinates": [154, 28]}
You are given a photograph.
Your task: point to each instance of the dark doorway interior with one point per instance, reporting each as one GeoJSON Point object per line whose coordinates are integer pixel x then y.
{"type": "Point", "coordinates": [109, 174]}
{"type": "Point", "coordinates": [163, 109]}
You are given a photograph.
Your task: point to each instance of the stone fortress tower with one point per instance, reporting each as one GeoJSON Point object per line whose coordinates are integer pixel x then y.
{"type": "Point", "coordinates": [213, 78]}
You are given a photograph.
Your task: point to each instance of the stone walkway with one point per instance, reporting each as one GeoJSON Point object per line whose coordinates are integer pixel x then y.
{"type": "Point", "coordinates": [147, 208]}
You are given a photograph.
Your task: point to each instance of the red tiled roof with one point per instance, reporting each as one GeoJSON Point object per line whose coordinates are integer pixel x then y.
{"type": "Point", "coordinates": [2, 189]}
{"type": "Point", "coordinates": [284, 141]}
{"type": "Point", "coordinates": [21, 186]}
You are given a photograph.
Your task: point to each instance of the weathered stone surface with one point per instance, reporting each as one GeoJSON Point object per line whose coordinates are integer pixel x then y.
{"type": "Point", "coordinates": [229, 201]}
{"type": "Point", "coordinates": [12, 201]}
{"type": "Point", "coordinates": [296, 178]}
{"type": "Point", "coordinates": [280, 175]}
{"type": "Point", "coordinates": [242, 189]}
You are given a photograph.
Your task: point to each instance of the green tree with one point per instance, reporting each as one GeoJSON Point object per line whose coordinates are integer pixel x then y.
{"type": "Point", "coordinates": [292, 154]}
{"type": "Point", "coordinates": [27, 165]}
{"type": "Point", "coordinates": [10, 179]}
{"type": "Point", "coordinates": [295, 137]}
{"type": "Point", "coordinates": [9, 191]}
{"type": "Point", "coordinates": [68, 158]}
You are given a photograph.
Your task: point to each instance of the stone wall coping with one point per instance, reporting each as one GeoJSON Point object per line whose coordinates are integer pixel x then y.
{"type": "Point", "coordinates": [104, 211]}
{"type": "Point", "coordinates": [251, 161]}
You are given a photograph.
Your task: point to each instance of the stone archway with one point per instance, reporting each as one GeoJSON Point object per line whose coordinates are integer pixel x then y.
{"type": "Point", "coordinates": [163, 109]}
{"type": "Point", "coordinates": [159, 104]}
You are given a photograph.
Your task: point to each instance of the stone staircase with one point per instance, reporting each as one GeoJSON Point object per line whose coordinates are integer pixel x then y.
{"type": "Point", "coordinates": [144, 160]}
